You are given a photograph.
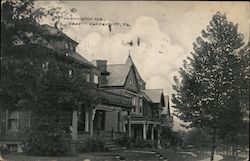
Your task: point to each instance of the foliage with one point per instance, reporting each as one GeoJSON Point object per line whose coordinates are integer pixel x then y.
{"type": "Point", "coordinates": [176, 139]}
{"type": "Point", "coordinates": [44, 139]}
{"type": "Point", "coordinates": [4, 149]}
{"type": "Point", "coordinates": [197, 137]}
{"type": "Point", "coordinates": [124, 141]}
{"type": "Point", "coordinates": [26, 85]}
{"type": "Point", "coordinates": [141, 143]}
{"type": "Point", "coordinates": [91, 145]}
{"type": "Point", "coordinates": [209, 94]}
{"type": "Point", "coordinates": [20, 21]}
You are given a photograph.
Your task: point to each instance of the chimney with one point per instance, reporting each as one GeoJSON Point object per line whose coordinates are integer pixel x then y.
{"type": "Point", "coordinates": [102, 66]}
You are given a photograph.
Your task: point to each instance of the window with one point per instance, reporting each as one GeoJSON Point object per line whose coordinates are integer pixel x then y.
{"type": "Point", "coordinates": [72, 48]}
{"type": "Point", "coordinates": [134, 109]}
{"type": "Point", "coordinates": [140, 102]}
{"type": "Point", "coordinates": [88, 77]}
{"type": "Point", "coordinates": [96, 79]}
{"type": "Point", "coordinates": [45, 66]}
{"type": "Point", "coordinates": [134, 101]}
{"type": "Point", "coordinates": [13, 121]}
{"type": "Point", "coordinates": [66, 46]}
{"type": "Point", "coordinates": [140, 110]}
{"type": "Point", "coordinates": [70, 73]}
{"type": "Point", "coordinates": [130, 82]}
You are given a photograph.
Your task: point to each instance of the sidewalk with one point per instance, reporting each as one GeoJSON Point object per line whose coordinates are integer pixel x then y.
{"type": "Point", "coordinates": [216, 158]}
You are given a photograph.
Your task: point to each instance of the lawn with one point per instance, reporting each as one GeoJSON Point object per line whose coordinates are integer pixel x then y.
{"type": "Point", "coordinates": [129, 155]}
{"type": "Point", "coordinates": [230, 158]}
{"type": "Point", "coordinates": [85, 157]}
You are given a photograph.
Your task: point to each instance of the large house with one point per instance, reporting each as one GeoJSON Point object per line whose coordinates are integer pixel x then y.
{"type": "Point", "coordinates": [124, 107]}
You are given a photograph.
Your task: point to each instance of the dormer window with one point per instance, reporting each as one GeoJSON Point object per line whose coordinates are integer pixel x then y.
{"type": "Point", "coordinates": [45, 66]}
{"type": "Point", "coordinates": [72, 48]}
{"type": "Point", "coordinates": [70, 73]}
{"type": "Point", "coordinates": [66, 45]}
{"type": "Point", "coordinates": [96, 79]}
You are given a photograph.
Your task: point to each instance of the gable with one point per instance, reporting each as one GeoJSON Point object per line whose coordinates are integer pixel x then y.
{"type": "Point", "coordinates": [131, 83]}
{"type": "Point", "coordinates": [118, 74]}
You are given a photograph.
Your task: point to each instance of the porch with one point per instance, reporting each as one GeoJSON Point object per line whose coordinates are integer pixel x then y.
{"type": "Point", "coordinates": [146, 128]}
{"type": "Point", "coordinates": [105, 121]}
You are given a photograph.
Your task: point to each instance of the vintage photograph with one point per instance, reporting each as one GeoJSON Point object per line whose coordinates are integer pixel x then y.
{"type": "Point", "coordinates": [124, 80]}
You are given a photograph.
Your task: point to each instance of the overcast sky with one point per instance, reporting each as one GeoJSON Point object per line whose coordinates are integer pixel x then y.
{"type": "Point", "coordinates": [166, 31]}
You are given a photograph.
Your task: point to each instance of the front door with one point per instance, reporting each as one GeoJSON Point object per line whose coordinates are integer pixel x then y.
{"type": "Point", "coordinates": [99, 121]}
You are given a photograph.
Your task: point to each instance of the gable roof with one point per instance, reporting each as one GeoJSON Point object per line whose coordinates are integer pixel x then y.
{"type": "Point", "coordinates": [55, 32]}
{"type": "Point", "coordinates": [119, 73]}
{"type": "Point", "coordinates": [154, 94]}
{"type": "Point", "coordinates": [76, 56]}
{"type": "Point", "coordinates": [130, 62]}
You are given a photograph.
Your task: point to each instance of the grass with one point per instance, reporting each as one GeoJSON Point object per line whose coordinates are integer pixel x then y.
{"type": "Point", "coordinates": [230, 158]}
{"type": "Point", "coordinates": [82, 157]}
{"type": "Point", "coordinates": [129, 155]}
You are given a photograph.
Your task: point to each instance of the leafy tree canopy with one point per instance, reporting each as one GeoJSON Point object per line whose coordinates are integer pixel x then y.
{"type": "Point", "coordinates": [209, 92]}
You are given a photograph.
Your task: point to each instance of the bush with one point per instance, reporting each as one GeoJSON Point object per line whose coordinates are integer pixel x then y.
{"type": "Point", "coordinates": [123, 141]}
{"type": "Point", "coordinates": [45, 139]}
{"type": "Point", "coordinates": [4, 149]}
{"type": "Point", "coordinates": [91, 145]}
{"type": "Point", "coordinates": [141, 143]}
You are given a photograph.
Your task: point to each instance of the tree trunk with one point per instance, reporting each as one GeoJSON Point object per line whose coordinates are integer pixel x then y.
{"type": "Point", "coordinates": [213, 145]}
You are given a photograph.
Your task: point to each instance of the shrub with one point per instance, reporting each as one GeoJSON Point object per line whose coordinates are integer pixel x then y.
{"type": "Point", "coordinates": [91, 145]}
{"type": "Point", "coordinates": [123, 141]}
{"type": "Point", "coordinates": [141, 143]}
{"type": "Point", "coordinates": [44, 139]}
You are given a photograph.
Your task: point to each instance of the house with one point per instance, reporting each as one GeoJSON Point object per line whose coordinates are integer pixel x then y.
{"type": "Point", "coordinates": [124, 106]}
{"type": "Point", "coordinates": [145, 118]}
{"type": "Point", "coordinates": [58, 47]}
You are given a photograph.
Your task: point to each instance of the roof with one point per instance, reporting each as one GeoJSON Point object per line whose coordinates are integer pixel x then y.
{"type": "Point", "coordinates": [76, 56]}
{"type": "Point", "coordinates": [144, 95]}
{"type": "Point", "coordinates": [130, 61]}
{"type": "Point", "coordinates": [54, 31]}
{"type": "Point", "coordinates": [166, 109]}
{"type": "Point", "coordinates": [154, 94]}
{"type": "Point", "coordinates": [118, 74]}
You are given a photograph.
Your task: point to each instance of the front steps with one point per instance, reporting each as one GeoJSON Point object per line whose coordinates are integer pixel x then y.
{"type": "Point", "coordinates": [111, 145]}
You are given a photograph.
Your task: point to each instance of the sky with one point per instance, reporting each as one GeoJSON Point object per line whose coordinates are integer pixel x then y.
{"type": "Point", "coordinates": [166, 31]}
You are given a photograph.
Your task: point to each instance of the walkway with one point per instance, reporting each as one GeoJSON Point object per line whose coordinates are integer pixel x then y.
{"type": "Point", "coordinates": [216, 158]}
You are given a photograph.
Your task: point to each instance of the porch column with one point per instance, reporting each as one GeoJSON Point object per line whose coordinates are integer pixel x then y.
{"type": "Point", "coordinates": [91, 120]}
{"type": "Point", "coordinates": [129, 125]}
{"type": "Point", "coordinates": [119, 121]}
{"type": "Point", "coordinates": [74, 125]}
{"type": "Point", "coordinates": [159, 137]}
{"type": "Point", "coordinates": [144, 131]}
{"type": "Point", "coordinates": [6, 120]}
{"type": "Point", "coordinates": [86, 121]}
{"type": "Point", "coordinates": [152, 133]}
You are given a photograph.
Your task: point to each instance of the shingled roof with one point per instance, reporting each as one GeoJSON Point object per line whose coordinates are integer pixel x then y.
{"type": "Point", "coordinates": [55, 32]}
{"type": "Point", "coordinates": [119, 72]}
{"type": "Point", "coordinates": [130, 61]}
{"type": "Point", "coordinates": [154, 94]}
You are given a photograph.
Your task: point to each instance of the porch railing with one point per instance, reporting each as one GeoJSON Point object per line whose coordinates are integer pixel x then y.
{"type": "Point", "coordinates": [107, 97]}
{"type": "Point", "coordinates": [102, 135]}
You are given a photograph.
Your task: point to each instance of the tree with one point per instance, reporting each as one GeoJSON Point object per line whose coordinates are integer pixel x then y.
{"type": "Point", "coordinates": [208, 94]}
{"type": "Point", "coordinates": [47, 90]}
{"type": "Point", "coordinates": [50, 93]}
{"type": "Point", "coordinates": [20, 21]}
